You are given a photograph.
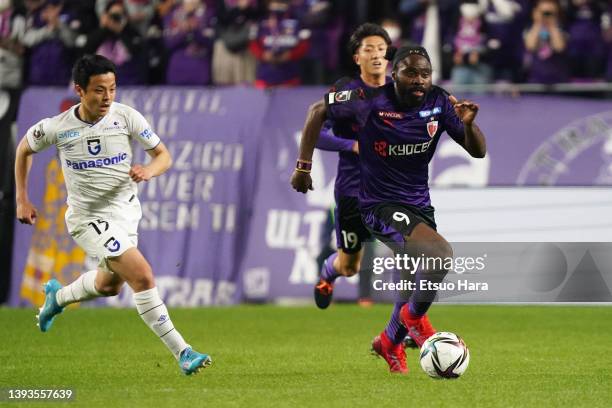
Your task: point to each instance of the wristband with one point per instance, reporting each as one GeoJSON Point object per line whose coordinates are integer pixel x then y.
{"type": "Point", "coordinates": [303, 165]}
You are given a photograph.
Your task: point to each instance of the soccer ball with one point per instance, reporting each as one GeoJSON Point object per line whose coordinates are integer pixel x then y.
{"type": "Point", "coordinates": [444, 355]}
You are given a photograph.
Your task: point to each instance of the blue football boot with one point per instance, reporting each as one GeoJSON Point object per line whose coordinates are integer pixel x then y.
{"type": "Point", "coordinates": [48, 311]}
{"type": "Point", "coordinates": [191, 361]}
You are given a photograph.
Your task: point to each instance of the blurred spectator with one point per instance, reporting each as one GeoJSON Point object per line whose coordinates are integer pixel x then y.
{"type": "Point", "coordinates": [164, 7]}
{"type": "Point", "coordinates": [469, 47]}
{"type": "Point", "coordinates": [50, 41]}
{"type": "Point", "coordinates": [188, 35]}
{"type": "Point", "coordinates": [504, 19]}
{"type": "Point", "coordinates": [279, 45]}
{"type": "Point", "coordinates": [232, 62]}
{"type": "Point", "coordinates": [84, 17]}
{"type": "Point", "coordinates": [12, 27]}
{"type": "Point", "coordinates": [142, 16]}
{"type": "Point", "coordinates": [118, 41]}
{"type": "Point", "coordinates": [139, 13]}
{"type": "Point", "coordinates": [432, 24]}
{"type": "Point", "coordinates": [546, 45]}
{"type": "Point", "coordinates": [586, 47]}
{"type": "Point", "coordinates": [317, 16]}
{"type": "Point", "coordinates": [394, 29]}
{"type": "Point", "coordinates": [607, 30]}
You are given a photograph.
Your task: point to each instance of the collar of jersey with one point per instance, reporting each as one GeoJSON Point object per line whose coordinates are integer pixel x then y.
{"type": "Point", "coordinates": [74, 114]}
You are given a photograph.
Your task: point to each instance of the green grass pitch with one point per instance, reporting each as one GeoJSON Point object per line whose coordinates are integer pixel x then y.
{"type": "Point", "coordinates": [268, 356]}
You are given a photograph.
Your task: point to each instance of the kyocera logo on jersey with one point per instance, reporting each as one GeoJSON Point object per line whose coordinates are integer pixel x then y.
{"type": "Point", "coordinates": [90, 164]}
{"type": "Point", "coordinates": [381, 148]}
{"type": "Point", "coordinates": [390, 115]}
{"type": "Point", "coordinates": [384, 149]}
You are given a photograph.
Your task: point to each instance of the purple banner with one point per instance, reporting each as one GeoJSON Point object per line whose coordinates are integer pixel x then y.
{"type": "Point", "coordinates": [533, 140]}
{"type": "Point", "coordinates": [224, 225]}
{"type": "Point", "coordinates": [286, 226]}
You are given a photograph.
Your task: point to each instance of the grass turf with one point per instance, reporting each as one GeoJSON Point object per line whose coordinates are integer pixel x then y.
{"type": "Point", "coordinates": [521, 356]}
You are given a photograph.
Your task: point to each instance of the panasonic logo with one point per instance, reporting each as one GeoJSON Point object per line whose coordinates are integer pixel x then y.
{"type": "Point", "coordinates": [90, 164]}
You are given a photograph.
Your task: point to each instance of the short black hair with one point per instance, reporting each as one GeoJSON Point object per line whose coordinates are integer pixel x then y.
{"type": "Point", "coordinates": [363, 31]}
{"type": "Point", "coordinates": [398, 54]}
{"type": "Point", "coordinates": [91, 65]}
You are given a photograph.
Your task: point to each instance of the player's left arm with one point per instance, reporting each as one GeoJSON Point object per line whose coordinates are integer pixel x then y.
{"type": "Point", "coordinates": [161, 161]}
{"type": "Point", "coordinates": [474, 140]}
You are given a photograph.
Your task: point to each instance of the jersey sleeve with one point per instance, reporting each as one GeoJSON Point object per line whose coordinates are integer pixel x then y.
{"type": "Point", "coordinates": [41, 135]}
{"type": "Point", "coordinates": [352, 105]}
{"type": "Point", "coordinates": [451, 122]}
{"type": "Point", "coordinates": [330, 142]}
{"type": "Point", "coordinates": [141, 130]}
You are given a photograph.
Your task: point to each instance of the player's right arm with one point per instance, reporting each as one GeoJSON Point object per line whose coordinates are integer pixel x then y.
{"type": "Point", "coordinates": [26, 212]}
{"type": "Point", "coordinates": [301, 180]}
{"type": "Point", "coordinates": [37, 138]}
{"type": "Point", "coordinates": [352, 105]}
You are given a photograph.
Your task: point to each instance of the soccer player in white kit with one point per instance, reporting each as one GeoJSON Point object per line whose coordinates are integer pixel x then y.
{"type": "Point", "coordinates": [93, 141]}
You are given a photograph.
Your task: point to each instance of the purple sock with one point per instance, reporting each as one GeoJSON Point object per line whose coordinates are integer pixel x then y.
{"type": "Point", "coordinates": [421, 300]}
{"type": "Point", "coordinates": [328, 272]}
{"type": "Point", "coordinates": [395, 329]}
{"type": "Point", "coordinates": [418, 308]}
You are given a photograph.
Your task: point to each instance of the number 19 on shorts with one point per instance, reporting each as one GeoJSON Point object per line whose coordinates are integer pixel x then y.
{"type": "Point", "coordinates": [350, 239]}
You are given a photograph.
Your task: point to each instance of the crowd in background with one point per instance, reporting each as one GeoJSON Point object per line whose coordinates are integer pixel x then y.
{"type": "Point", "coordinates": [290, 42]}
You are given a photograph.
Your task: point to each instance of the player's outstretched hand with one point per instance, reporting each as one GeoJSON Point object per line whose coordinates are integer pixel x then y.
{"type": "Point", "coordinates": [466, 110]}
{"type": "Point", "coordinates": [140, 173]}
{"type": "Point", "coordinates": [26, 213]}
{"type": "Point", "coordinates": [301, 182]}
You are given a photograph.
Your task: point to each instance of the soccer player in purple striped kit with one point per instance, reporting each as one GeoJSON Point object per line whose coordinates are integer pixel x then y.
{"type": "Point", "coordinates": [400, 126]}
{"type": "Point", "coordinates": [367, 45]}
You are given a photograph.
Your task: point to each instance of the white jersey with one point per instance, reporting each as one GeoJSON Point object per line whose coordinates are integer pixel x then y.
{"type": "Point", "coordinates": [96, 159]}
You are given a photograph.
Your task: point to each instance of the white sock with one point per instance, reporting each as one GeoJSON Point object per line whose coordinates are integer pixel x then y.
{"type": "Point", "coordinates": [155, 314]}
{"type": "Point", "coordinates": [84, 288]}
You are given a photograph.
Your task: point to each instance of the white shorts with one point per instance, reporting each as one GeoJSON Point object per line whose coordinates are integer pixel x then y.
{"type": "Point", "coordinates": [105, 234]}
